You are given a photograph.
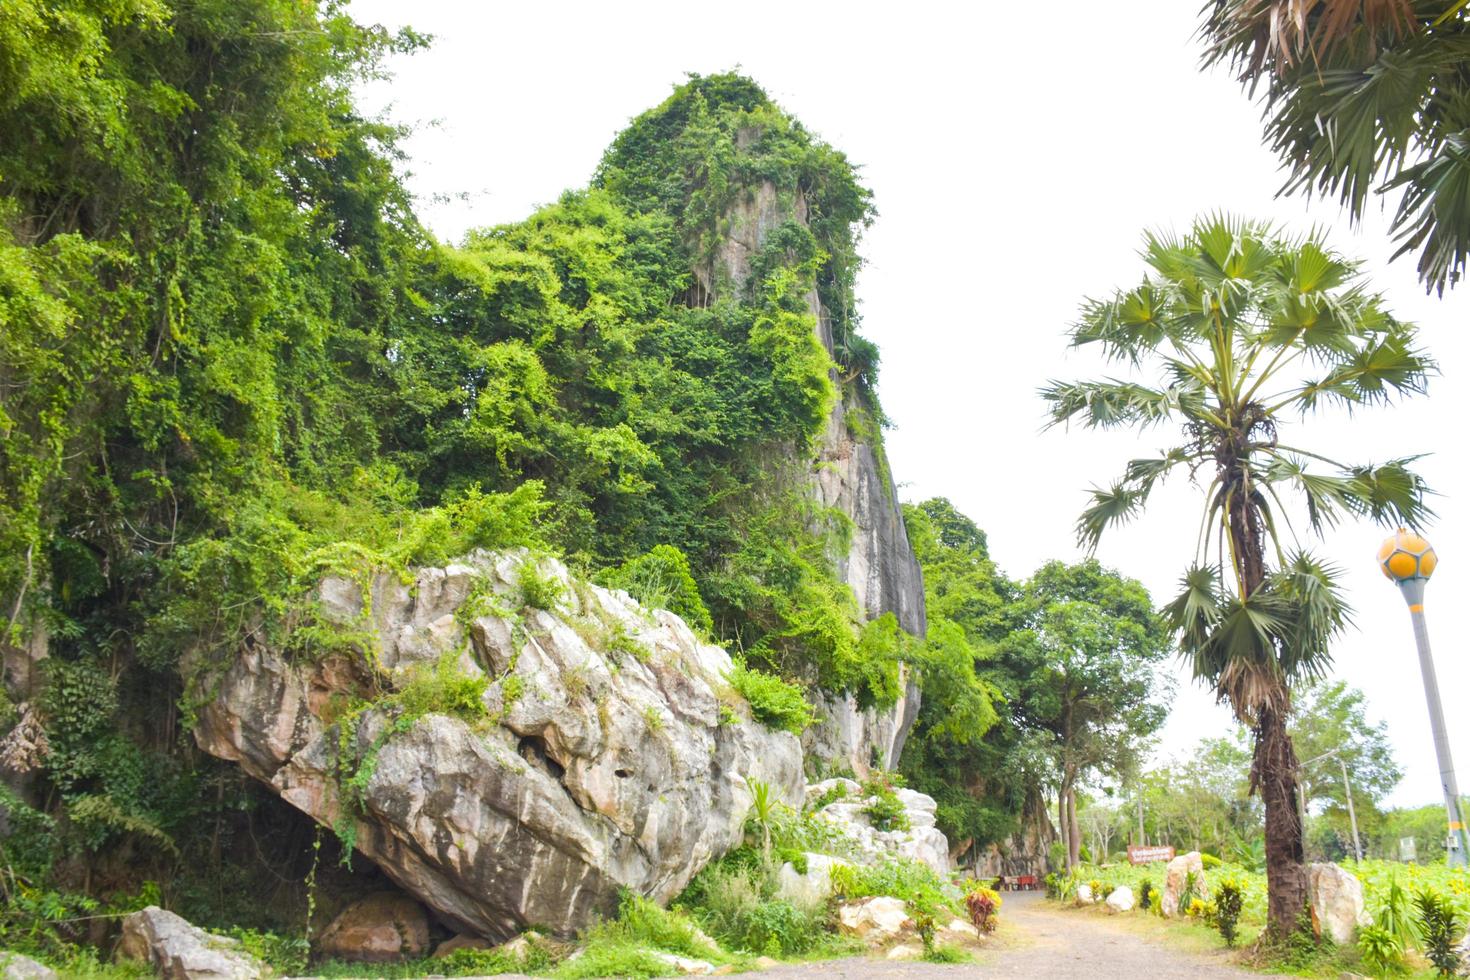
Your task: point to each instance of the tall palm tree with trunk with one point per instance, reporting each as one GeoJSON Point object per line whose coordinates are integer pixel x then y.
{"type": "Point", "coordinates": [1238, 332]}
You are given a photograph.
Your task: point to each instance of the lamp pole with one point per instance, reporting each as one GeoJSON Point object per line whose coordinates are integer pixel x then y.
{"type": "Point", "coordinates": [1409, 560]}
{"type": "Point", "coordinates": [1347, 790]}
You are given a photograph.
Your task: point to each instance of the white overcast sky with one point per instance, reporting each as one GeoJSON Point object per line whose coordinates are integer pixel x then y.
{"type": "Point", "coordinates": [1016, 152]}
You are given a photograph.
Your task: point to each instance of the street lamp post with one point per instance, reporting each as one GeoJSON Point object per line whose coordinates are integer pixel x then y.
{"type": "Point", "coordinates": [1409, 560]}
{"type": "Point", "coordinates": [1301, 796]}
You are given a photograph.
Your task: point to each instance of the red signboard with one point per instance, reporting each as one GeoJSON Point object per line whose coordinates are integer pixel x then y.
{"type": "Point", "coordinates": [1145, 855]}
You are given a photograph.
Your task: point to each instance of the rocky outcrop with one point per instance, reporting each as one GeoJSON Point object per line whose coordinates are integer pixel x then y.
{"type": "Point", "coordinates": [852, 478]}
{"type": "Point", "coordinates": [179, 951]}
{"type": "Point", "coordinates": [919, 841]}
{"type": "Point", "coordinates": [1022, 853]}
{"type": "Point", "coordinates": [1336, 897]}
{"type": "Point", "coordinates": [1184, 874]}
{"type": "Point", "coordinates": [381, 928]}
{"type": "Point", "coordinates": [610, 753]}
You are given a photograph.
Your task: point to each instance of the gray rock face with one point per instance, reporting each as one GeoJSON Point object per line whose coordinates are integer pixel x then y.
{"type": "Point", "coordinates": [879, 565]}
{"type": "Point", "coordinates": [180, 951]}
{"type": "Point", "coordinates": [603, 761]}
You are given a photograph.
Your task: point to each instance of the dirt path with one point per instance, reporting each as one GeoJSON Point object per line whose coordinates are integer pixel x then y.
{"type": "Point", "coordinates": [1041, 942]}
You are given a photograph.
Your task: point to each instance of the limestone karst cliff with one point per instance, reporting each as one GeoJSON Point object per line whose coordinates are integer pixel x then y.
{"type": "Point", "coordinates": [849, 474]}
{"type": "Point", "coordinates": [601, 749]}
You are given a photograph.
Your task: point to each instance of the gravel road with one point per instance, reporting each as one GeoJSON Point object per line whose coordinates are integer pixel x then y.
{"type": "Point", "coordinates": [1044, 942]}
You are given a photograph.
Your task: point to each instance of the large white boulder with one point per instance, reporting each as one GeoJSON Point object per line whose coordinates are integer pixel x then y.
{"type": "Point", "coordinates": [179, 951]}
{"type": "Point", "coordinates": [381, 928]}
{"type": "Point", "coordinates": [877, 921]}
{"type": "Point", "coordinates": [1121, 899]}
{"type": "Point", "coordinates": [1177, 879]}
{"type": "Point", "coordinates": [14, 966]}
{"type": "Point", "coordinates": [1336, 897]}
{"type": "Point", "coordinates": [607, 758]}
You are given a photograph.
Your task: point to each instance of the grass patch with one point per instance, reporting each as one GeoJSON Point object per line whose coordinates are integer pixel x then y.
{"type": "Point", "coordinates": [948, 954]}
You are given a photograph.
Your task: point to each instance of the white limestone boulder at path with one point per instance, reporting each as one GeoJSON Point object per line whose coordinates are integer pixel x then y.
{"type": "Point", "coordinates": [878, 921]}
{"type": "Point", "coordinates": [14, 966]}
{"type": "Point", "coordinates": [1177, 881]}
{"type": "Point", "coordinates": [1336, 897]}
{"type": "Point", "coordinates": [1121, 899]}
{"type": "Point", "coordinates": [613, 753]}
{"type": "Point", "coordinates": [178, 950]}
{"type": "Point", "coordinates": [922, 841]}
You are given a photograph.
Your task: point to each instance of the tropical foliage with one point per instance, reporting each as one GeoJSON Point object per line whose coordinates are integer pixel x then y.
{"type": "Point", "coordinates": [1362, 97]}
{"type": "Point", "coordinates": [232, 360]}
{"type": "Point", "coordinates": [1239, 331]}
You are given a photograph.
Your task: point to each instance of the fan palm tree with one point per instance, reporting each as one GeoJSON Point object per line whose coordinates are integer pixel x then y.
{"type": "Point", "coordinates": [1245, 332]}
{"type": "Point", "coordinates": [1361, 93]}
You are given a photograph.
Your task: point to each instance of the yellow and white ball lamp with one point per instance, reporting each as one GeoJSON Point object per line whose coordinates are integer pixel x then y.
{"type": "Point", "coordinates": [1409, 560]}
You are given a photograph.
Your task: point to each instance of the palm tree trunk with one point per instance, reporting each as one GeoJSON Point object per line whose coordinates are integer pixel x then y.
{"type": "Point", "coordinates": [1273, 772]}
{"type": "Point", "coordinates": [1273, 768]}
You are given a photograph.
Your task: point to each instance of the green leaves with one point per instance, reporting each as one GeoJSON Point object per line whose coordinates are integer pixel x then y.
{"type": "Point", "coordinates": [1121, 502]}
{"type": "Point", "coordinates": [1389, 493]}
{"type": "Point", "coordinates": [1361, 96]}
{"type": "Point", "coordinates": [1253, 648]}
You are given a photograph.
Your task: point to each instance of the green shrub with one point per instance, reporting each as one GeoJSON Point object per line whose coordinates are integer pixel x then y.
{"type": "Point", "coordinates": [735, 901]}
{"type": "Point", "coordinates": [1229, 901]}
{"type": "Point", "coordinates": [441, 688]}
{"type": "Point", "coordinates": [538, 590]}
{"type": "Point", "coordinates": [1208, 861]}
{"type": "Point", "coordinates": [884, 809]}
{"type": "Point", "coordinates": [912, 881]}
{"type": "Point", "coordinates": [831, 794]}
{"type": "Point", "coordinates": [1438, 925]}
{"type": "Point", "coordinates": [1145, 894]}
{"type": "Point", "coordinates": [287, 955]}
{"type": "Point", "coordinates": [774, 702]}
{"type": "Point", "coordinates": [1381, 950]}
{"type": "Point", "coordinates": [643, 923]}
{"type": "Point", "coordinates": [661, 579]}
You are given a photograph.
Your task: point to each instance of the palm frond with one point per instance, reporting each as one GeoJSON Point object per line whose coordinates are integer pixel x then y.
{"type": "Point", "coordinates": [1114, 505]}
{"type": "Point", "coordinates": [1260, 35]}
{"type": "Point", "coordinates": [1392, 494]}
{"type": "Point", "coordinates": [1109, 404]}
{"type": "Point", "coordinates": [1316, 613]}
{"type": "Point", "coordinates": [1371, 374]}
{"type": "Point", "coordinates": [1434, 213]}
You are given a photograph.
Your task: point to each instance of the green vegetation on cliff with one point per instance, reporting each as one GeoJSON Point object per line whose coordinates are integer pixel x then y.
{"type": "Point", "coordinates": [232, 361]}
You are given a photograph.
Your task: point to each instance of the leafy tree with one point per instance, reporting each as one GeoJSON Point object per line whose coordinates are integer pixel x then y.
{"type": "Point", "coordinates": [1245, 329]}
{"type": "Point", "coordinates": [1086, 650]}
{"type": "Point", "coordinates": [1331, 717]}
{"type": "Point", "coordinates": [976, 763]}
{"type": "Point", "coordinates": [1364, 96]}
